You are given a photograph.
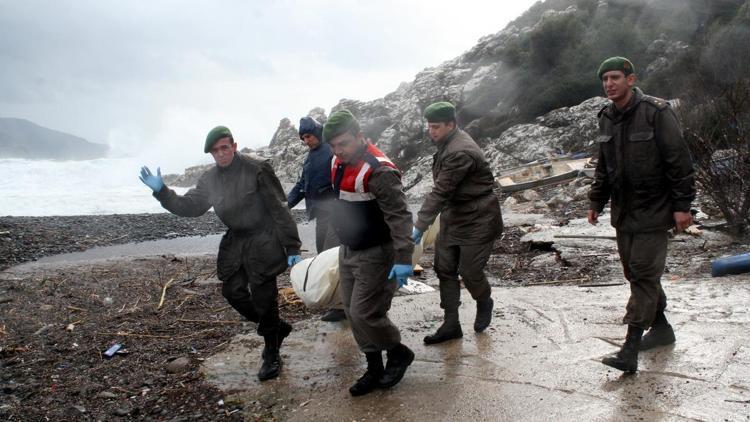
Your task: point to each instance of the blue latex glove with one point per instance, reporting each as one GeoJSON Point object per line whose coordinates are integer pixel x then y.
{"type": "Point", "coordinates": [416, 235]}
{"type": "Point", "coordinates": [401, 272]}
{"type": "Point", "coordinates": [292, 260]}
{"type": "Point", "coordinates": [148, 179]}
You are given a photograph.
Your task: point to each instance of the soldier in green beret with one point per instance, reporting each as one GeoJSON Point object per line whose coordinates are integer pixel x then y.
{"type": "Point", "coordinates": [261, 240]}
{"type": "Point", "coordinates": [470, 220]}
{"type": "Point", "coordinates": [645, 170]}
{"type": "Point", "coordinates": [373, 223]}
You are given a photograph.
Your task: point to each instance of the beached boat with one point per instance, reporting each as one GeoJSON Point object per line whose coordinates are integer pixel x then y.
{"type": "Point", "coordinates": [534, 175]}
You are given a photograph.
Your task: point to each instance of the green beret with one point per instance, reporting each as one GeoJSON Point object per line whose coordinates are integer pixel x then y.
{"type": "Point", "coordinates": [616, 63]}
{"type": "Point", "coordinates": [216, 133]}
{"type": "Point", "coordinates": [339, 122]}
{"type": "Point", "coordinates": [442, 111]}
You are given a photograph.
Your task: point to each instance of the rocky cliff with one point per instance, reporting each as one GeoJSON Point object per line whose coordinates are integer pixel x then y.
{"type": "Point", "coordinates": [542, 64]}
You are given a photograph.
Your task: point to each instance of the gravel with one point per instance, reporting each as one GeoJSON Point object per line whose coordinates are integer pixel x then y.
{"type": "Point", "coordinates": [25, 239]}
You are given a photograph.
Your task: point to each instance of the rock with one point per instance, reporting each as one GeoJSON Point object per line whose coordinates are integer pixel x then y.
{"type": "Point", "coordinates": [9, 388]}
{"type": "Point", "coordinates": [106, 395]}
{"type": "Point", "coordinates": [567, 129]}
{"type": "Point", "coordinates": [510, 201]}
{"type": "Point", "coordinates": [44, 329]}
{"type": "Point", "coordinates": [122, 411]}
{"type": "Point", "coordinates": [581, 193]}
{"type": "Point", "coordinates": [546, 260]}
{"type": "Point", "coordinates": [530, 195]}
{"type": "Point", "coordinates": [285, 133]}
{"type": "Point", "coordinates": [188, 178]}
{"type": "Point", "coordinates": [558, 201]}
{"type": "Point", "coordinates": [177, 365]}
{"type": "Point", "coordinates": [319, 114]}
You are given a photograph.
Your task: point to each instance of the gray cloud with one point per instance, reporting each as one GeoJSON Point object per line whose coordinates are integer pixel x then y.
{"type": "Point", "coordinates": [143, 74]}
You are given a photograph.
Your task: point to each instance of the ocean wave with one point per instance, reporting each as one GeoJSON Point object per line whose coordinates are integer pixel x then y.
{"type": "Point", "coordinates": [91, 187]}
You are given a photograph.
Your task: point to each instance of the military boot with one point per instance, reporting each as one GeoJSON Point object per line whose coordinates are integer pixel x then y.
{"type": "Point", "coordinates": [399, 358]}
{"type": "Point", "coordinates": [626, 359]}
{"type": "Point", "coordinates": [284, 329]}
{"type": "Point", "coordinates": [484, 315]}
{"type": "Point", "coordinates": [660, 334]}
{"type": "Point", "coordinates": [271, 359]}
{"type": "Point", "coordinates": [450, 329]}
{"type": "Point", "coordinates": [370, 380]}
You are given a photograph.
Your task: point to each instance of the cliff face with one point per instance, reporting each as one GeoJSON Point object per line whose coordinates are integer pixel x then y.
{"type": "Point", "coordinates": [542, 64]}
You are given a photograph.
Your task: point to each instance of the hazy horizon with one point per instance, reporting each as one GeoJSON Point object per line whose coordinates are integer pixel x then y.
{"type": "Point", "coordinates": [150, 79]}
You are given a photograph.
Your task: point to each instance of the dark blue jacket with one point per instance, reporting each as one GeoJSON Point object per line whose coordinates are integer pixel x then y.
{"type": "Point", "coordinates": [314, 184]}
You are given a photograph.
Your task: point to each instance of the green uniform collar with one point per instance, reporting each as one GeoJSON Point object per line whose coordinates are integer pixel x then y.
{"type": "Point", "coordinates": [449, 137]}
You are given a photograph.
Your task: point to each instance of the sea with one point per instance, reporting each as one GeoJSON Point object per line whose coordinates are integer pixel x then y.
{"type": "Point", "coordinates": [90, 187]}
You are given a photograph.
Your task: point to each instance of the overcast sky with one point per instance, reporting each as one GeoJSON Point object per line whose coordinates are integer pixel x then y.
{"type": "Point", "coordinates": [152, 77]}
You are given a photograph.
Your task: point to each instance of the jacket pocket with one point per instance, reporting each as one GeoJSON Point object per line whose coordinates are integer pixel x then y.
{"type": "Point", "coordinates": [264, 254]}
{"type": "Point", "coordinates": [643, 152]}
{"type": "Point", "coordinates": [606, 147]}
{"type": "Point", "coordinates": [229, 258]}
{"type": "Point", "coordinates": [642, 136]}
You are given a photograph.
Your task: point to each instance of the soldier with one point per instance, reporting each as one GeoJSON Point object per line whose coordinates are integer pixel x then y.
{"type": "Point", "coordinates": [314, 186]}
{"type": "Point", "coordinates": [261, 240]}
{"type": "Point", "coordinates": [372, 220]}
{"type": "Point", "coordinates": [646, 171]}
{"type": "Point", "coordinates": [469, 223]}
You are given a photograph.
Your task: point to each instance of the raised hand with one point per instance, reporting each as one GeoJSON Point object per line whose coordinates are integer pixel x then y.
{"type": "Point", "coordinates": [148, 179]}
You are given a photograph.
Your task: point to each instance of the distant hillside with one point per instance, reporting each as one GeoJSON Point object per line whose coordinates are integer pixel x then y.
{"type": "Point", "coordinates": [21, 138]}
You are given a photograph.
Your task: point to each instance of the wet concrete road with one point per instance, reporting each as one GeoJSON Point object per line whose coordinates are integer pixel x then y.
{"type": "Point", "coordinates": [539, 361]}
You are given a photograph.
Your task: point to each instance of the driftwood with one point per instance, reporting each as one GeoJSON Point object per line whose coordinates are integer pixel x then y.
{"type": "Point", "coordinates": [549, 283]}
{"type": "Point", "coordinates": [208, 321]}
{"type": "Point", "coordinates": [584, 236]}
{"type": "Point", "coordinates": [164, 292]}
{"type": "Point", "coordinates": [600, 284]}
{"type": "Point", "coordinates": [76, 309]}
{"type": "Point", "coordinates": [124, 334]}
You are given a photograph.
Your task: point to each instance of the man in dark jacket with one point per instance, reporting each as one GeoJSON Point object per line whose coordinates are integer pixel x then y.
{"type": "Point", "coordinates": [314, 186]}
{"type": "Point", "coordinates": [372, 220]}
{"type": "Point", "coordinates": [645, 170]}
{"type": "Point", "coordinates": [261, 240]}
{"type": "Point", "coordinates": [470, 220]}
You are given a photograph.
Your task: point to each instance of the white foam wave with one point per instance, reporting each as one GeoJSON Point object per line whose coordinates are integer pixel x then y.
{"type": "Point", "coordinates": [102, 186]}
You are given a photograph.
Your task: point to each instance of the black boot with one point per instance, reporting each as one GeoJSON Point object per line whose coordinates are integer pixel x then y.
{"type": "Point", "coordinates": [369, 381]}
{"type": "Point", "coordinates": [333, 315]}
{"type": "Point", "coordinates": [399, 358]}
{"type": "Point", "coordinates": [450, 329]}
{"type": "Point", "coordinates": [660, 334]}
{"type": "Point", "coordinates": [284, 329]}
{"type": "Point", "coordinates": [484, 315]}
{"type": "Point", "coordinates": [626, 359]}
{"type": "Point", "coordinates": [271, 359]}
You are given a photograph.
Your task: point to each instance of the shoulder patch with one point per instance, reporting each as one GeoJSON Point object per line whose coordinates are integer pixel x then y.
{"type": "Point", "coordinates": [656, 102]}
{"type": "Point", "coordinates": [253, 159]}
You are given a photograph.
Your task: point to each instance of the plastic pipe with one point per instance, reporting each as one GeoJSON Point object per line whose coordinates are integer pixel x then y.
{"type": "Point", "coordinates": [736, 264]}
